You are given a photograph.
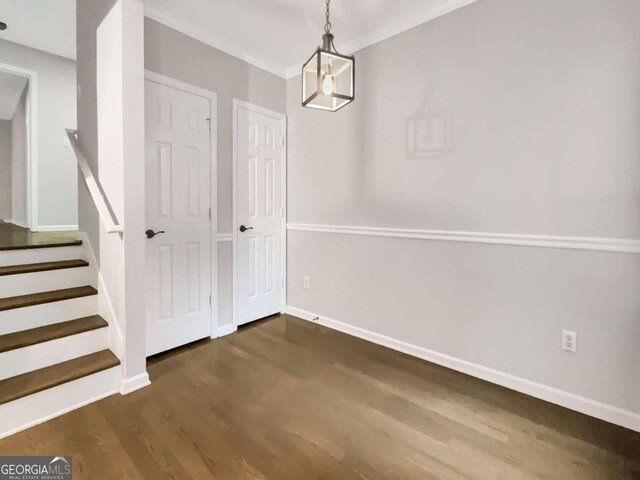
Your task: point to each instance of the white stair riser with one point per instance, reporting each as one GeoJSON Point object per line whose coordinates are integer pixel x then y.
{"type": "Point", "coordinates": [53, 402]}
{"type": "Point", "coordinates": [40, 255]}
{"type": "Point", "coordinates": [35, 357]}
{"type": "Point", "coordinates": [26, 283]}
{"type": "Point", "coordinates": [25, 318]}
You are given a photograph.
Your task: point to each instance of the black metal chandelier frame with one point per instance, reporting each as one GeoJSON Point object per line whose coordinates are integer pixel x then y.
{"type": "Point", "coordinates": [328, 48]}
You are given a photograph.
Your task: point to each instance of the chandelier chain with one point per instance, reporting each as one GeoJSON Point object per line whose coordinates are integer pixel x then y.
{"type": "Point", "coordinates": [327, 26]}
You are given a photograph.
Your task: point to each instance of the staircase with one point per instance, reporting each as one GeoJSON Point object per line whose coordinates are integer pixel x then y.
{"type": "Point", "coordinates": [54, 348]}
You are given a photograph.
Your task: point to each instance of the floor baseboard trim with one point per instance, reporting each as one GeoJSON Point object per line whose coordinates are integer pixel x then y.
{"type": "Point", "coordinates": [593, 408]}
{"type": "Point", "coordinates": [16, 222]}
{"type": "Point", "coordinates": [226, 330]}
{"type": "Point", "coordinates": [129, 385]}
{"type": "Point", "coordinates": [105, 305]}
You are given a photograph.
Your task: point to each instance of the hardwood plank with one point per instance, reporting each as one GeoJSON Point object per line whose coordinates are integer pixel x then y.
{"type": "Point", "coordinates": [34, 336]}
{"type": "Point", "coordinates": [13, 237]}
{"type": "Point", "coordinates": [42, 267]}
{"type": "Point", "coordinates": [46, 297]}
{"type": "Point", "coordinates": [287, 399]}
{"type": "Point", "coordinates": [49, 377]}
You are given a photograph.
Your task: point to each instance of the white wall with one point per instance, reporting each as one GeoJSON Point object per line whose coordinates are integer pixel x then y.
{"type": "Point", "coordinates": [111, 82]}
{"type": "Point", "coordinates": [5, 169]}
{"type": "Point", "coordinates": [539, 99]}
{"type": "Point", "coordinates": [178, 56]}
{"type": "Point", "coordinates": [57, 169]}
{"type": "Point", "coordinates": [19, 139]}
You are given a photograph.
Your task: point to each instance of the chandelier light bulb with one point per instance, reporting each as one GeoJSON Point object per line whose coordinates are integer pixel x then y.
{"type": "Point", "coordinates": [327, 84]}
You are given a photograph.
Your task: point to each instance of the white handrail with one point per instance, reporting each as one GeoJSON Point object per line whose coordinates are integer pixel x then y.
{"type": "Point", "coordinates": [110, 223]}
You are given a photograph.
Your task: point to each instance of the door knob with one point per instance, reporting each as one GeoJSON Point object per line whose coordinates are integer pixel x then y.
{"type": "Point", "coordinates": [150, 233]}
{"type": "Point", "coordinates": [244, 229]}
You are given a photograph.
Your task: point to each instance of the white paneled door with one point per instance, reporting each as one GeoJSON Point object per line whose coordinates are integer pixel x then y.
{"type": "Point", "coordinates": [178, 143]}
{"type": "Point", "coordinates": [259, 156]}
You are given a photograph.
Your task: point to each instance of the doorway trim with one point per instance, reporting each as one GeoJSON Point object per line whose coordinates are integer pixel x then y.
{"type": "Point", "coordinates": [31, 201]}
{"type": "Point", "coordinates": [213, 188]}
{"type": "Point", "coordinates": [283, 218]}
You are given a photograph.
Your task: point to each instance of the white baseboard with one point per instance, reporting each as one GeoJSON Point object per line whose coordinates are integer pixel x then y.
{"type": "Point", "coordinates": [105, 305]}
{"type": "Point", "coordinates": [16, 222]}
{"type": "Point", "coordinates": [593, 408]}
{"type": "Point", "coordinates": [56, 228]}
{"type": "Point", "coordinates": [226, 330]}
{"type": "Point", "coordinates": [129, 385]}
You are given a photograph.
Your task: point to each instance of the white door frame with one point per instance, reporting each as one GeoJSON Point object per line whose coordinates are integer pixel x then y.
{"type": "Point", "coordinates": [32, 142]}
{"type": "Point", "coordinates": [283, 218]}
{"type": "Point", "coordinates": [213, 190]}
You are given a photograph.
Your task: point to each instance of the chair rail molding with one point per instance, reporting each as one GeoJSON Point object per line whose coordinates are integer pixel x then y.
{"type": "Point", "coordinates": [617, 245]}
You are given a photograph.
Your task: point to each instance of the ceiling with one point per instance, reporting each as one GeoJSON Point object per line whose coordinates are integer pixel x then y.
{"type": "Point", "coordinates": [11, 88]}
{"type": "Point", "coordinates": [48, 25]}
{"type": "Point", "coordinates": [276, 35]}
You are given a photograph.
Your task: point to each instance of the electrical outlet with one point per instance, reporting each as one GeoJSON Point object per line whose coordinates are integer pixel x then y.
{"type": "Point", "coordinates": [569, 341]}
{"type": "Point", "coordinates": [305, 282]}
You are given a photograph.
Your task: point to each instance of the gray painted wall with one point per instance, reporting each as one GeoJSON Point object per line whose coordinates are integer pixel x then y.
{"type": "Point", "coordinates": [5, 169]}
{"type": "Point", "coordinates": [19, 139]}
{"type": "Point", "coordinates": [57, 168]}
{"type": "Point", "coordinates": [178, 56]}
{"type": "Point", "coordinates": [539, 100]}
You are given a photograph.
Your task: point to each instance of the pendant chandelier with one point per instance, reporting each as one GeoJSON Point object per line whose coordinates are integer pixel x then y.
{"type": "Point", "coordinates": [328, 78]}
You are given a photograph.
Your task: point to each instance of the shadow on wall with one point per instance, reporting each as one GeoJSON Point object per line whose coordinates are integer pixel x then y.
{"type": "Point", "coordinates": [429, 131]}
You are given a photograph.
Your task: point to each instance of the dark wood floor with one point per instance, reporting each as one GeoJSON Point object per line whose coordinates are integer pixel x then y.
{"type": "Point", "coordinates": [286, 399]}
{"type": "Point", "coordinates": [14, 237]}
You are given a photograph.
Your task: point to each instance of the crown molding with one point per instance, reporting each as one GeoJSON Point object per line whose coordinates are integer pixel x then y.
{"type": "Point", "coordinates": [394, 28]}
{"type": "Point", "coordinates": [212, 40]}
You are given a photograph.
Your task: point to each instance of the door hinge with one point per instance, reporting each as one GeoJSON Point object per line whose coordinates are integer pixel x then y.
{"type": "Point", "coordinates": [209, 300]}
{"type": "Point", "coordinates": [282, 141]}
{"type": "Point", "coordinates": [282, 212]}
{"type": "Point", "coordinates": [209, 213]}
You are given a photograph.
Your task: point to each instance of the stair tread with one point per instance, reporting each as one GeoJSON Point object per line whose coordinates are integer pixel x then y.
{"type": "Point", "coordinates": [46, 297]}
{"type": "Point", "coordinates": [54, 244]}
{"type": "Point", "coordinates": [42, 267]}
{"type": "Point", "coordinates": [33, 382]}
{"type": "Point", "coordinates": [34, 336]}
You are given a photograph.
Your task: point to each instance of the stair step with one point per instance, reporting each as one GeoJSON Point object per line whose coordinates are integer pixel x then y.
{"type": "Point", "coordinates": [42, 267]}
{"type": "Point", "coordinates": [41, 255]}
{"type": "Point", "coordinates": [34, 336]}
{"type": "Point", "coordinates": [10, 303]}
{"type": "Point", "coordinates": [33, 382]}
{"type": "Point", "coordinates": [44, 244]}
